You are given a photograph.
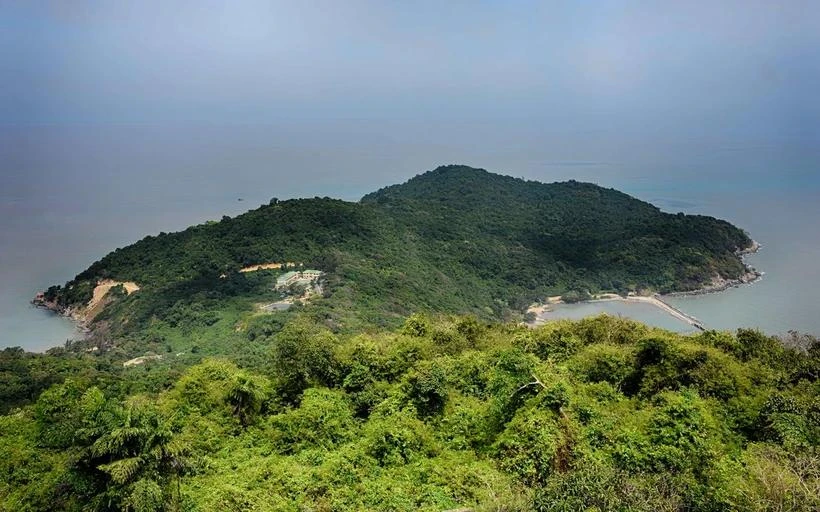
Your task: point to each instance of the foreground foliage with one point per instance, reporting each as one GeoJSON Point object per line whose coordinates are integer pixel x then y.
{"type": "Point", "coordinates": [441, 413]}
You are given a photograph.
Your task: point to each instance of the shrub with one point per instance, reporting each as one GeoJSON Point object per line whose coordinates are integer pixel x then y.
{"type": "Point", "coordinates": [398, 438]}
{"type": "Point", "coordinates": [604, 363]}
{"type": "Point", "coordinates": [463, 424]}
{"type": "Point", "coordinates": [415, 325]}
{"type": "Point", "coordinates": [323, 419]}
{"type": "Point", "coordinates": [556, 341]}
{"type": "Point", "coordinates": [425, 386]}
{"type": "Point", "coordinates": [682, 432]}
{"type": "Point", "coordinates": [529, 445]}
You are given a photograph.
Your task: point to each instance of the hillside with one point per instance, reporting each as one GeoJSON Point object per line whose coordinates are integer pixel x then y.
{"type": "Point", "coordinates": [566, 235]}
{"type": "Point", "coordinates": [440, 414]}
{"type": "Point", "coordinates": [455, 239]}
{"type": "Point", "coordinates": [370, 394]}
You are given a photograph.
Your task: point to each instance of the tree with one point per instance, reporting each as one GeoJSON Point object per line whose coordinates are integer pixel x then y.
{"type": "Point", "coordinates": [56, 414]}
{"type": "Point", "coordinates": [302, 355]}
{"type": "Point", "coordinates": [246, 397]}
{"type": "Point", "coordinates": [136, 456]}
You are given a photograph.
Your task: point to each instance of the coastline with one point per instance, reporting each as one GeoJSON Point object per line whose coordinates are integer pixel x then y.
{"type": "Point", "coordinates": [84, 316]}
{"type": "Point", "coordinates": [80, 320]}
{"type": "Point", "coordinates": [718, 284]}
{"type": "Point", "coordinates": [653, 300]}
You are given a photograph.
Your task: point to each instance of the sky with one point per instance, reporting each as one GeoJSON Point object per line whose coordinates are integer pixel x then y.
{"type": "Point", "coordinates": [744, 66]}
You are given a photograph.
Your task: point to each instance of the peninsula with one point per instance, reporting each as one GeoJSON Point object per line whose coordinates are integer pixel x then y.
{"type": "Point", "coordinates": [456, 239]}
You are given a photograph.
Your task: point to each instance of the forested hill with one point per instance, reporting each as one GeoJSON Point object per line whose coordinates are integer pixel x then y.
{"type": "Point", "coordinates": [602, 238]}
{"type": "Point", "coordinates": [455, 239]}
{"type": "Point", "coordinates": [192, 394]}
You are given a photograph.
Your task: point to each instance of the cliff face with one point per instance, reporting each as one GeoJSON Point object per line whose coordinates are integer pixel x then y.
{"type": "Point", "coordinates": [84, 314]}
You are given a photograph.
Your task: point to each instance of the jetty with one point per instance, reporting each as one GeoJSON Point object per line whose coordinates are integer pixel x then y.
{"type": "Point", "coordinates": [658, 302]}
{"type": "Point", "coordinates": [655, 300]}
{"type": "Point", "coordinates": [672, 310]}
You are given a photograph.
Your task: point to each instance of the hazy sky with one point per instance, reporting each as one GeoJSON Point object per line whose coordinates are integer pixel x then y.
{"type": "Point", "coordinates": [741, 66]}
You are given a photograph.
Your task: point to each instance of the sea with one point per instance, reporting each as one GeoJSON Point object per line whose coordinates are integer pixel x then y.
{"type": "Point", "coordinates": [69, 194]}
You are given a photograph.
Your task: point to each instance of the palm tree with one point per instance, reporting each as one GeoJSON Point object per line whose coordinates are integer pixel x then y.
{"type": "Point", "coordinates": [140, 455]}
{"type": "Point", "coordinates": [246, 397]}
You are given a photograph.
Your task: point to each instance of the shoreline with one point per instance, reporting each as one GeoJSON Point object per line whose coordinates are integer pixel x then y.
{"type": "Point", "coordinates": [718, 284]}
{"type": "Point", "coordinates": [79, 319]}
{"type": "Point", "coordinates": [84, 316]}
{"type": "Point", "coordinates": [653, 300]}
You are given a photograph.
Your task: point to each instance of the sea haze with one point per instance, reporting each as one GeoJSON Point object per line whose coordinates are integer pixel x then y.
{"type": "Point", "coordinates": [69, 195]}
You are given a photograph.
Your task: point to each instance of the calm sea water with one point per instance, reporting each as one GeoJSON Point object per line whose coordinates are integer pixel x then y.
{"type": "Point", "coordinates": [646, 313]}
{"type": "Point", "coordinates": [68, 195]}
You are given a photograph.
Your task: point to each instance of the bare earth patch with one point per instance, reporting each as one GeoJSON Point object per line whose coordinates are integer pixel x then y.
{"type": "Point", "coordinates": [96, 305]}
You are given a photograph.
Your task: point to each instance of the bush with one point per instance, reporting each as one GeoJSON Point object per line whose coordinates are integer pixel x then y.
{"type": "Point", "coordinates": [425, 386]}
{"type": "Point", "coordinates": [463, 424]}
{"type": "Point", "coordinates": [573, 296]}
{"type": "Point", "coordinates": [324, 419]}
{"type": "Point", "coordinates": [770, 479]}
{"type": "Point", "coordinates": [604, 363]}
{"type": "Point", "coordinates": [682, 433]}
{"type": "Point", "coordinates": [529, 445]}
{"type": "Point", "coordinates": [556, 341]}
{"type": "Point", "coordinates": [398, 438]}
{"type": "Point", "coordinates": [416, 325]}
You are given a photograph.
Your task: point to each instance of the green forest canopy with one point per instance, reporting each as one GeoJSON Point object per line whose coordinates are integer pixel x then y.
{"type": "Point", "coordinates": [442, 413]}
{"type": "Point", "coordinates": [375, 396]}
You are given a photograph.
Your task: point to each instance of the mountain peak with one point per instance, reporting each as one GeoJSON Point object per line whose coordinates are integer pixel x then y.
{"type": "Point", "coordinates": [465, 185]}
{"type": "Point", "coordinates": [446, 181]}
{"type": "Point", "coordinates": [451, 169]}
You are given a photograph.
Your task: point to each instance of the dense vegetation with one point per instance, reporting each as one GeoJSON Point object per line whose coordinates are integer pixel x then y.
{"type": "Point", "coordinates": [455, 239]}
{"type": "Point", "coordinates": [442, 413]}
{"type": "Point", "coordinates": [372, 397]}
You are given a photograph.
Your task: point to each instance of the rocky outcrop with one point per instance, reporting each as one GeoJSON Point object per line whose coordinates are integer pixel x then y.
{"type": "Point", "coordinates": [84, 315]}
{"type": "Point", "coordinates": [720, 283]}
